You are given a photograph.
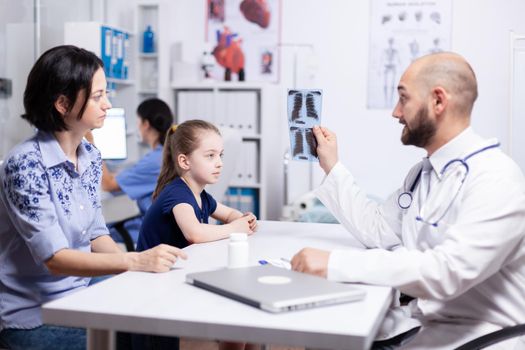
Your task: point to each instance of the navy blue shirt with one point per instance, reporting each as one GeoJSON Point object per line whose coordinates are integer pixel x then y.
{"type": "Point", "coordinates": [159, 225]}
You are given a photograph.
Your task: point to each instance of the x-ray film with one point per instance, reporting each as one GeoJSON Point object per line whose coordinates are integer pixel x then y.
{"type": "Point", "coordinates": [304, 111]}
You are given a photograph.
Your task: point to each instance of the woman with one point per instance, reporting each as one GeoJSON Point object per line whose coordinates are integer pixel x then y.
{"type": "Point", "coordinates": [53, 236]}
{"type": "Point", "coordinates": [154, 119]}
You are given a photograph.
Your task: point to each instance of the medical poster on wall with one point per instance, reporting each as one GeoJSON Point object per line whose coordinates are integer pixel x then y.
{"type": "Point", "coordinates": [401, 31]}
{"type": "Point", "coordinates": [243, 36]}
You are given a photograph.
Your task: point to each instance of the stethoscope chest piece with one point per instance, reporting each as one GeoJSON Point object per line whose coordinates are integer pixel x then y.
{"type": "Point", "coordinates": [404, 200]}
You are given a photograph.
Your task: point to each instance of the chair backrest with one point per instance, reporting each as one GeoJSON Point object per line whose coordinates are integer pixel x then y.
{"type": "Point", "coordinates": [232, 151]}
{"type": "Point", "coordinates": [497, 337]}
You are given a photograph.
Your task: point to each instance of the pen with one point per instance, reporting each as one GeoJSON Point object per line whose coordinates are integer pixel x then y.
{"type": "Point", "coordinates": [281, 262]}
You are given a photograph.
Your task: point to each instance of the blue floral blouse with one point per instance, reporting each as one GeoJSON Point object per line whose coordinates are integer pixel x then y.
{"type": "Point", "coordinates": [45, 206]}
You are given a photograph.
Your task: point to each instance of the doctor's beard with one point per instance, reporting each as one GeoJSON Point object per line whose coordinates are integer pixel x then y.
{"type": "Point", "coordinates": [422, 132]}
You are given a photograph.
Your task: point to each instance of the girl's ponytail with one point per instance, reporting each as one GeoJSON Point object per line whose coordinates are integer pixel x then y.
{"type": "Point", "coordinates": [168, 171]}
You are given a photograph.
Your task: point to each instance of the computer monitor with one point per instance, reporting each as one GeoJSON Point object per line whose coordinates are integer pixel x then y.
{"type": "Point", "coordinates": [111, 138]}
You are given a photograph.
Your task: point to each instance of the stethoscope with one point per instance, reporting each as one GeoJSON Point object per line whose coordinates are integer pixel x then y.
{"type": "Point", "coordinates": [405, 199]}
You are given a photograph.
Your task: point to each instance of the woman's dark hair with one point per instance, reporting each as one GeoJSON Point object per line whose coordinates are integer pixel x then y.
{"type": "Point", "coordinates": [158, 114]}
{"type": "Point", "coordinates": [181, 139]}
{"type": "Point", "coordinates": [61, 71]}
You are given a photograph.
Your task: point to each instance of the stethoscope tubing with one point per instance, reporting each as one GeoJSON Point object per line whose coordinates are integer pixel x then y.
{"type": "Point", "coordinates": [405, 199]}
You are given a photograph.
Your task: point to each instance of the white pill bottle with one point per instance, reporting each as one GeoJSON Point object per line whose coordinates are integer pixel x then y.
{"type": "Point", "coordinates": [238, 250]}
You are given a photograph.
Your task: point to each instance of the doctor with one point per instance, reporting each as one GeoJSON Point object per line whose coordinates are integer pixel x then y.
{"type": "Point", "coordinates": [453, 235]}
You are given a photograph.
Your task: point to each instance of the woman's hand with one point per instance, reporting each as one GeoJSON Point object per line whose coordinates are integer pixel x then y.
{"type": "Point", "coordinates": [158, 259]}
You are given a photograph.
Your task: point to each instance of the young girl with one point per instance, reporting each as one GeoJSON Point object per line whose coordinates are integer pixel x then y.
{"type": "Point", "coordinates": [181, 207]}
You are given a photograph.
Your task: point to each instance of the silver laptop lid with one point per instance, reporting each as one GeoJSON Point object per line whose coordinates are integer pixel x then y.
{"type": "Point", "coordinates": [274, 289]}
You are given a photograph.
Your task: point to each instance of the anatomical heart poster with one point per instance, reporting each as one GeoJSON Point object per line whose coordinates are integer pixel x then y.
{"type": "Point", "coordinates": [243, 36]}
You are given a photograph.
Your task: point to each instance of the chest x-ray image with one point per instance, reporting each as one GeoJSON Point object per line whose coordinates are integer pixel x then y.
{"type": "Point", "coordinates": [304, 111]}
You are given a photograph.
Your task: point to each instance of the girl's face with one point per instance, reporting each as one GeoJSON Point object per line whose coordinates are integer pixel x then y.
{"type": "Point", "coordinates": [205, 162]}
{"type": "Point", "coordinates": [96, 106]}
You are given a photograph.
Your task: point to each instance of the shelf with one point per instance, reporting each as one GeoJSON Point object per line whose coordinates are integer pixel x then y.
{"type": "Point", "coordinates": [250, 137]}
{"type": "Point", "coordinates": [149, 55]}
{"type": "Point", "coordinates": [147, 91]}
{"type": "Point", "coordinates": [216, 84]}
{"type": "Point", "coordinates": [244, 185]}
{"type": "Point", "coordinates": [120, 81]}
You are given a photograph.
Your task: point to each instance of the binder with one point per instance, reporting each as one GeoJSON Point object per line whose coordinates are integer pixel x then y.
{"type": "Point", "coordinates": [250, 163]}
{"type": "Point", "coordinates": [221, 110]}
{"type": "Point", "coordinates": [238, 174]}
{"type": "Point", "coordinates": [246, 111]}
{"type": "Point", "coordinates": [106, 35]}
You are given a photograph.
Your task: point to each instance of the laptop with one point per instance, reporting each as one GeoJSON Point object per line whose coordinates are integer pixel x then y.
{"type": "Point", "coordinates": [275, 289]}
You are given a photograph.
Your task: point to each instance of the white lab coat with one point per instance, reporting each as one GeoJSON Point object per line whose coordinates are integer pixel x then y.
{"type": "Point", "coordinates": [468, 273]}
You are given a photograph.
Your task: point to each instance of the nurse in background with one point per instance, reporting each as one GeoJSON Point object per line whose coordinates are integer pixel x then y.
{"type": "Point", "coordinates": [154, 118]}
{"type": "Point", "coordinates": [53, 237]}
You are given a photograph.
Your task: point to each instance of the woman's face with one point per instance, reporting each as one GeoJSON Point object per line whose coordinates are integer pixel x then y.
{"type": "Point", "coordinates": [141, 128]}
{"type": "Point", "coordinates": [96, 107]}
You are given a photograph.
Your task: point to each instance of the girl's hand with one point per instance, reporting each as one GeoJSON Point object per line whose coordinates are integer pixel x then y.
{"type": "Point", "coordinates": [252, 220]}
{"type": "Point", "coordinates": [242, 224]}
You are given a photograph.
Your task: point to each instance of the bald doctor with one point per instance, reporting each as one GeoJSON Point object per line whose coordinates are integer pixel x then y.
{"type": "Point", "coordinates": [452, 236]}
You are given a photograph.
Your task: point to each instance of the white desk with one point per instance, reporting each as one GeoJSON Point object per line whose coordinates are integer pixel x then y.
{"type": "Point", "coordinates": [164, 304]}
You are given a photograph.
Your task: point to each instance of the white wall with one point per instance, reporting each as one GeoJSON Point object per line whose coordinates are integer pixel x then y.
{"type": "Point", "coordinates": [369, 139]}
{"type": "Point", "coordinates": [16, 57]}
{"type": "Point", "coordinates": [17, 54]}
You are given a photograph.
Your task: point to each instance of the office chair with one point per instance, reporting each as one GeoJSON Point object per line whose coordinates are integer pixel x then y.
{"type": "Point", "coordinates": [494, 338]}
{"type": "Point", "coordinates": [124, 233]}
{"type": "Point", "coordinates": [232, 151]}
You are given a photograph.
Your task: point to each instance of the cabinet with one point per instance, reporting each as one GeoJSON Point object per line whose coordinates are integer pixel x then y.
{"type": "Point", "coordinates": [115, 47]}
{"type": "Point", "coordinates": [112, 45]}
{"type": "Point", "coordinates": [239, 106]}
{"type": "Point", "coordinates": [148, 62]}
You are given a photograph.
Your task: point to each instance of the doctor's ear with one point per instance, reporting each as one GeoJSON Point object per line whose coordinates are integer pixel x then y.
{"type": "Point", "coordinates": [440, 100]}
{"type": "Point", "coordinates": [183, 162]}
{"type": "Point", "coordinates": [62, 105]}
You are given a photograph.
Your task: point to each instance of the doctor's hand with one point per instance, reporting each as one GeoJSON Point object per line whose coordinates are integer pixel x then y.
{"type": "Point", "coordinates": [158, 259]}
{"type": "Point", "coordinates": [326, 148]}
{"type": "Point", "coordinates": [312, 261]}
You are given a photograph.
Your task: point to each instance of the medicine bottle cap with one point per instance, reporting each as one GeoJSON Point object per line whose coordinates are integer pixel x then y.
{"type": "Point", "coordinates": [238, 236]}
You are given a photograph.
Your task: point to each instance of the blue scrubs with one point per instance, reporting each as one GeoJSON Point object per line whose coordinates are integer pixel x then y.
{"type": "Point", "coordinates": [139, 180]}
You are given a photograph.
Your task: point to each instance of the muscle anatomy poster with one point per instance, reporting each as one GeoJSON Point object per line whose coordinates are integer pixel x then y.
{"type": "Point", "coordinates": [401, 31]}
